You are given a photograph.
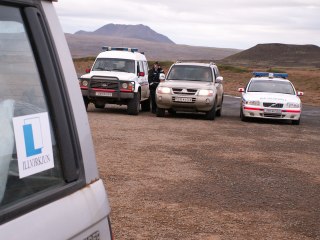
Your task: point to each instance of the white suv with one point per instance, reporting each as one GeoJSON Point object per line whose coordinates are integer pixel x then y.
{"type": "Point", "coordinates": [118, 76]}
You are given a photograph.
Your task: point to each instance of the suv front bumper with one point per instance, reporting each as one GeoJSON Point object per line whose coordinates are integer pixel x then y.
{"type": "Point", "coordinates": [192, 103]}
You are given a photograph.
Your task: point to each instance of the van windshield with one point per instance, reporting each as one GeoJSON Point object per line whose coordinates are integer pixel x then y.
{"type": "Point", "coordinates": [190, 73]}
{"type": "Point", "coordinates": [114, 64]}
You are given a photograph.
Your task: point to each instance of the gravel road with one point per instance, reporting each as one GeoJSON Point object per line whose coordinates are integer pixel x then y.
{"type": "Point", "coordinates": [183, 177]}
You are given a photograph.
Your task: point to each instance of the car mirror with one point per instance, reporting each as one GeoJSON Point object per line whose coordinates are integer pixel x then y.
{"type": "Point", "coordinates": [88, 70]}
{"type": "Point", "coordinates": [162, 77]}
{"type": "Point", "coordinates": [219, 79]}
{"type": "Point", "coordinates": [300, 93]}
{"type": "Point", "coordinates": [240, 89]}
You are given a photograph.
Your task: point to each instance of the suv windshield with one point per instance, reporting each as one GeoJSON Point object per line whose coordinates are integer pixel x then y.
{"type": "Point", "coordinates": [114, 64]}
{"type": "Point", "coordinates": [190, 73]}
{"type": "Point", "coordinates": [271, 86]}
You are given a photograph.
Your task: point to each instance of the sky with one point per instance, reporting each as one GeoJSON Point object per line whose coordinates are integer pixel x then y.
{"type": "Point", "coordinates": [237, 24]}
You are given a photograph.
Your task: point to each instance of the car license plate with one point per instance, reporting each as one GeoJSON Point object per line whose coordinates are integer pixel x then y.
{"type": "Point", "coordinates": [275, 111]}
{"type": "Point", "coordinates": [104, 94]}
{"type": "Point", "coordinates": [181, 99]}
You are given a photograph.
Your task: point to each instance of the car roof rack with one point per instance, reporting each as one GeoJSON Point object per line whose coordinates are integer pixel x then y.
{"type": "Point", "coordinates": [107, 48]}
{"type": "Point", "coordinates": [270, 75]}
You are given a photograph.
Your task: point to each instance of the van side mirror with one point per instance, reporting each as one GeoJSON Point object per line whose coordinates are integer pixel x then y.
{"type": "Point", "coordinates": [88, 70]}
{"type": "Point", "coordinates": [300, 93]}
{"type": "Point", "coordinates": [141, 74]}
{"type": "Point", "coordinates": [240, 89]}
{"type": "Point", "coordinates": [219, 79]}
{"type": "Point", "coordinates": [162, 77]}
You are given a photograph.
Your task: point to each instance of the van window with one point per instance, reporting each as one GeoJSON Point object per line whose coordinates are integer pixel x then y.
{"type": "Point", "coordinates": [29, 156]}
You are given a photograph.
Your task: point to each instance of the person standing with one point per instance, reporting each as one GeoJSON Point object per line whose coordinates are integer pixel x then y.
{"type": "Point", "coordinates": [153, 79]}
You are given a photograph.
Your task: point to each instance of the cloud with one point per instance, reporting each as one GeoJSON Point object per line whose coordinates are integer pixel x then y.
{"type": "Point", "coordinates": [229, 23]}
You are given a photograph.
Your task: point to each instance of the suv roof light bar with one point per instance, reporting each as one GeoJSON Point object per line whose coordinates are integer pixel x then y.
{"type": "Point", "coordinates": [106, 48]}
{"type": "Point", "coordinates": [270, 75]}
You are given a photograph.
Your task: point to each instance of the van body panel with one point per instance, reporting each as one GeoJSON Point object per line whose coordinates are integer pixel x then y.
{"type": "Point", "coordinates": [76, 216]}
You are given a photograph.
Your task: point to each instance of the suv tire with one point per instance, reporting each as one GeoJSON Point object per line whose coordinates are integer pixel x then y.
{"type": "Point", "coordinates": [211, 115]}
{"type": "Point", "coordinates": [160, 112]}
{"type": "Point", "coordinates": [134, 104]}
{"type": "Point", "coordinates": [101, 106]}
{"type": "Point", "coordinates": [145, 105]}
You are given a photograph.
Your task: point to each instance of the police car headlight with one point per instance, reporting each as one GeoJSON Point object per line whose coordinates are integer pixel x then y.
{"type": "Point", "coordinates": [163, 90]}
{"type": "Point", "coordinates": [205, 92]}
{"type": "Point", "coordinates": [293, 105]}
{"type": "Point", "coordinates": [124, 85]}
{"type": "Point", "coordinates": [255, 103]}
{"type": "Point", "coordinates": [85, 83]}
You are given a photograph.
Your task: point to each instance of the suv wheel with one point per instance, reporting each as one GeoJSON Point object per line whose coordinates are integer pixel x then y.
{"type": "Point", "coordinates": [86, 103]}
{"type": "Point", "coordinates": [99, 105]}
{"type": "Point", "coordinates": [145, 105]}
{"type": "Point", "coordinates": [134, 104]}
{"type": "Point", "coordinates": [161, 112]}
{"type": "Point", "coordinates": [218, 113]}
{"type": "Point", "coordinates": [211, 115]}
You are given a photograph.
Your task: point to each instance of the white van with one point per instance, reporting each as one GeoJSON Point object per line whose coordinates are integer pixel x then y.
{"type": "Point", "coordinates": [118, 76]}
{"type": "Point", "coordinates": [49, 183]}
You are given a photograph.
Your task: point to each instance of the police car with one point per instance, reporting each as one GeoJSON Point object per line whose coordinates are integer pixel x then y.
{"type": "Point", "coordinates": [270, 95]}
{"type": "Point", "coordinates": [118, 76]}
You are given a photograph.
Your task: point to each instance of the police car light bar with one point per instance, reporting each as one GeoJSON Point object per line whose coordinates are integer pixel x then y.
{"type": "Point", "coordinates": [106, 48]}
{"type": "Point", "coordinates": [270, 75]}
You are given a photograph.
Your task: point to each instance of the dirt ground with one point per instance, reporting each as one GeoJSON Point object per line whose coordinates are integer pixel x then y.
{"type": "Point", "coordinates": [182, 177]}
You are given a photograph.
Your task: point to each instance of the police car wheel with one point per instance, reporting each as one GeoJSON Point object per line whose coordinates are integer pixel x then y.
{"type": "Point", "coordinates": [296, 122]}
{"type": "Point", "coordinates": [242, 117]}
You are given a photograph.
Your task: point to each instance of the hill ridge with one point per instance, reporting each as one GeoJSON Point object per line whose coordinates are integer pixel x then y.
{"type": "Point", "coordinates": [138, 31]}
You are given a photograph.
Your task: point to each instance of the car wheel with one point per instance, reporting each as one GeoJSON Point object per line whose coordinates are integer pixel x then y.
{"type": "Point", "coordinates": [218, 113]}
{"type": "Point", "coordinates": [101, 106]}
{"type": "Point", "coordinates": [171, 111]}
{"type": "Point", "coordinates": [134, 104]}
{"type": "Point", "coordinates": [145, 105]}
{"type": "Point", "coordinates": [242, 117]}
{"type": "Point", "coordinates": [160, 112]}
{"type": "Point", "coordinates": [86, 103]}
{"type": "Point", "coordinates": [296, 122]}
{"type": "Point", "coordinates": [211, 115]}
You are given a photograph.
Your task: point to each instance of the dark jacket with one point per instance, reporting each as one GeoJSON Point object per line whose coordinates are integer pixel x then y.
{"type": "Point", "coordinates": [153, 78]}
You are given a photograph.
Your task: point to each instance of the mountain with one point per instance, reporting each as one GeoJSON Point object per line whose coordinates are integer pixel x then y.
{"type": "Point", "coordinates": [128, 31]}
{"type": "Point", "coordinates": [277, 54]}
{"type": "Point", "coordinates": [85, 45]}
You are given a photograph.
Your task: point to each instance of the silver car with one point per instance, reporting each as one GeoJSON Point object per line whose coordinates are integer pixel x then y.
{"type": "Point", "coordinates": [191, 87]}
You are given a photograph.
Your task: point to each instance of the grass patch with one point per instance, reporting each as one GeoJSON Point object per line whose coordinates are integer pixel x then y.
{"type": "Point", "coordinates": [233, 69]}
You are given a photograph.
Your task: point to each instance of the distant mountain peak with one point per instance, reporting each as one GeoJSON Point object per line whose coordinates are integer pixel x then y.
{"type": "Point", "coordinates": [138, 31]}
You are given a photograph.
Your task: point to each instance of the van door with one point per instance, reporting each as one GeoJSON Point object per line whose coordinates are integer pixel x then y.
{"type": "Point", "coordinates": [43, 190]}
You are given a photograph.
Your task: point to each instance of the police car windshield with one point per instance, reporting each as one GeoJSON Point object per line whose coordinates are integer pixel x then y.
{"type": "Point", "coordinates": [271, 86]}
{"type": "Point", "coordinates": [190, 73]}
{"type": "Point", "coordinates": [114, 64]}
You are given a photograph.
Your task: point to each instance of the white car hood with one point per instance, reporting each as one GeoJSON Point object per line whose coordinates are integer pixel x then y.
{"type": "Point", "coordinates": [121, 75]}
{"type": "Point", "coordinates": [186, 84]}
{"type": "Point", "coordinates": [271, 97]}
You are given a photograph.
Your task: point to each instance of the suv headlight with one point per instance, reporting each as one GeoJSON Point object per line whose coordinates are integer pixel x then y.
{"type": "Point", "coordinates": [205, 92]}
{"type": "Point", "coordinates": [163, 90]}
{"type": "Point", "coordinates": [255, 103]}
{"type": "Point", "coordinates": [85, 83]}
{"type": "Point", "coordinates": [293, 105]}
